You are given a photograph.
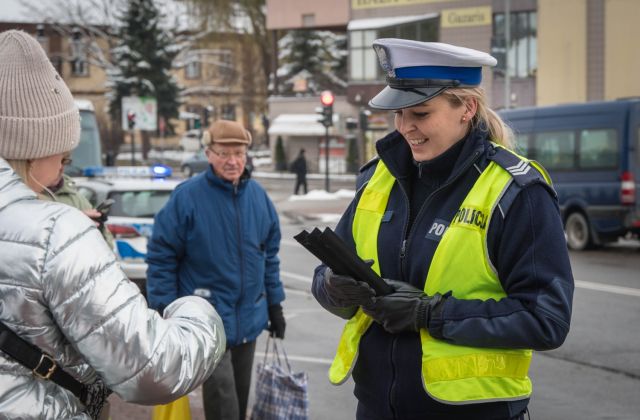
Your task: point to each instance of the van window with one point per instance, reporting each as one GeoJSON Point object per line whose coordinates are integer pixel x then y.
{"type": "Point", "coordinates": [554, 149]}
{"type": "Point", "coordinates": [598, 149]}
{"type": "Point", "coordinates": [89, 150]}
{"type": "Point", "coordinates": [522, 144]}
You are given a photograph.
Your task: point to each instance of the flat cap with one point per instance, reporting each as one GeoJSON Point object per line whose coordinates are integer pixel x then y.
{"type": "Point", "coordinates": [225, 131]}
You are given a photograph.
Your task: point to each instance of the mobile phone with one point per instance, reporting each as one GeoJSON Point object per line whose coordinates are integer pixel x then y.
{"type": "Point", "coordinates": [105, 206]}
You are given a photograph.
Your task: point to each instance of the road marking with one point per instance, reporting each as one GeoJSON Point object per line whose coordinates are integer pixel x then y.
{"type": "Point", "coordinates": [316, 360]}
{"type": "Point", "coordinates": [298, 277]}
{"type": "Point", "coordinates": [297, 292]}
{"type": "Point", "coordinates": [619, 290]}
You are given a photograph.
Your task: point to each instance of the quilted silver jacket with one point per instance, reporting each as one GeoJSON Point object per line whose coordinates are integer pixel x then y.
{"type": "Point", "coordinates": [62, 290]}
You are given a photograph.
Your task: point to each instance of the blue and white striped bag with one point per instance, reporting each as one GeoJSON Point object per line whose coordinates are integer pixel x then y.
{"type": "Point", "coordinates": [280, 393]}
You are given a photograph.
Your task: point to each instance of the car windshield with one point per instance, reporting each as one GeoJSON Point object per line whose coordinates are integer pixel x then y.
{"type": "Point", "coordinates": [138, 203]}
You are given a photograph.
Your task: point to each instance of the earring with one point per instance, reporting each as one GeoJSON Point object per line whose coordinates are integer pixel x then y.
{"type": "Point", "coordinates": [464, 118]}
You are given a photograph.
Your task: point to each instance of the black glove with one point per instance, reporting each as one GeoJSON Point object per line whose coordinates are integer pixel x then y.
{"type": "Point", "coordinates": [277, 324]}
{"type": "Point", "coordinates": [406, 309]}
{"type": "Point", "coordinates": [345, 291]}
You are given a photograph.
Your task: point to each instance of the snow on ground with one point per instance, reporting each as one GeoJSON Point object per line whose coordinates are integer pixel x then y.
{"type": "Point", "coordinates": [321, 195]}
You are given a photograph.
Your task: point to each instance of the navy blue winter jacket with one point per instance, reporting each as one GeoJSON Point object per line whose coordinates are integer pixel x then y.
{"type": "Point", "coordinates": [219, 242]}
{"type": "Point", "coordinates": [526, 246]}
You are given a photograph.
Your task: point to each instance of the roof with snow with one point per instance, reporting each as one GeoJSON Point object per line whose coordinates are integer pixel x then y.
{"type": "Point", "coordinates": [298, 125]}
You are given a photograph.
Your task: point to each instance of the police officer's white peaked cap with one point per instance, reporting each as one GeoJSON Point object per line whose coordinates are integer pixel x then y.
{"type": "Point", "coordinates": [418, 71]}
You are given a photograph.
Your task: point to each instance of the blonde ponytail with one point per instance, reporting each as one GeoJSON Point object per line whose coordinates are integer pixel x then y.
{"type": "Point", "coordinates": [485, 117]}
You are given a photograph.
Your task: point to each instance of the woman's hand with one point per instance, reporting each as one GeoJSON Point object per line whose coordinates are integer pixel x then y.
{"type": "Point", "coordinates": [345, 291]}
{"type": "Point", "coordinates": [94, 215]}
{"type": "Point", "coordinates": [406, 309]}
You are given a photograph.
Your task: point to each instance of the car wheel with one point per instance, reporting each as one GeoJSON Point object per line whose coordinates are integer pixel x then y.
{"type": "Point", "coordinates": [187, 171]}
{"type": "Point", "coordinates": [577, 232]}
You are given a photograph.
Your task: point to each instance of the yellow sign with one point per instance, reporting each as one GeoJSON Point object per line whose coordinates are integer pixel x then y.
{"type": "Point", "coordinates": [373, 4]}
{"type": "Point", "coordinates": [470, 16]}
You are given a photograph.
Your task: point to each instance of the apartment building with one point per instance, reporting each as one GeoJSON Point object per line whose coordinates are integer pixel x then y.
{"type": "Point", "coordinates": [558, 51]}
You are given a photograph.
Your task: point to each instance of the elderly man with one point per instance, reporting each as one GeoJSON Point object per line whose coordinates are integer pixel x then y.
{"type": "Point", "coordinates": [218, 237]}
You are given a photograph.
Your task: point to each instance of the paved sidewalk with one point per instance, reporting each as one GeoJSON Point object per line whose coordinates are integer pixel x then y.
{"type": "Point", "coordinates": [320, 210]}
{"type": "Point", "coordinates": [122, 410]}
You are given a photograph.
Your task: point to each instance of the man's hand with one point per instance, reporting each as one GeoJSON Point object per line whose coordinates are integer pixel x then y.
{"type": "Point", "coordinates": [406, 309]}
{"type": "Point", "coordinates": [345, 291]}
{"type": "Point", "coordinates": [277, 324]}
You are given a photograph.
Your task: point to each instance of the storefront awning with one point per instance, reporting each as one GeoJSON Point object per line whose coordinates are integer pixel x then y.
{"type": "Point", "coordinates": [298, 125]}
{"type": "Point", "coordinates": [377, 23]}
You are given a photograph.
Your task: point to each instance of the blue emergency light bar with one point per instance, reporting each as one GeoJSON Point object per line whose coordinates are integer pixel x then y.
{"type": "Point", "coordinates": [155, 171]}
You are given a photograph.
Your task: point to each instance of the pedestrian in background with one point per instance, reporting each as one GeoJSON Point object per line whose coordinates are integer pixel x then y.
{"type": "Point", "coordinates": [299, 167]}
{"type": "Point", "coordinates": [470, 237]}
{"type": "Point", "coordinates": [62, 289]}
{"type": "Point", "coordinates": [218, 237]}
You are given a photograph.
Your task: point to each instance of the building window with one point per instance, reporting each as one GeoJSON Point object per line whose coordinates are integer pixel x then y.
{"type": "Point", "coordinates": [79, 63]}
{"type": "Point", "coordinates": [522, 57]}
{"type": "Point", "coordinates": [308, 20]}
{"type": "Point", "coordinates": [57, 61]}
{"type": "Point", "coordinates": [362, 59]}
{"type": "Point", "coordinates": [225, 65]}
{"type": "Point", "coordinates": [42, 38]}
{"type": "Point", "coordinates": [192, 69]}
{"type": "Point", "coordinates": [228, 112]}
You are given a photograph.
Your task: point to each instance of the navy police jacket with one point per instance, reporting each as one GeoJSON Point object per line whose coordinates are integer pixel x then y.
{"type": "Point", "coordinates": [219, 242]}
{"type": "Point", "coordinates": [526, 245]}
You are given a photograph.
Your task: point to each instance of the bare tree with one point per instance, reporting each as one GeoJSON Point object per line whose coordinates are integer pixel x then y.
{"type": "Point", "coordinates": [244, 16]}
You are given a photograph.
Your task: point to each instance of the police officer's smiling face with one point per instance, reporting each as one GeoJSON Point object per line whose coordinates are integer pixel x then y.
{"type": "Point", "coordinates": [433, 127]}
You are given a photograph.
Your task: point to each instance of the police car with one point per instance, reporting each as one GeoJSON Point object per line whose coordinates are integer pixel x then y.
{"type": "Point", "coordinates": [138, 193]}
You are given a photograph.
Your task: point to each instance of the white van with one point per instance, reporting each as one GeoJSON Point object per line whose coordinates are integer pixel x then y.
{"type": "Point", "coordinates": [89, 150]}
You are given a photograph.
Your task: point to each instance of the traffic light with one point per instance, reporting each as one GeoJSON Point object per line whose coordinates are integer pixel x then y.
{"type": "Point", "coordinates": [326, 98]}
{"type": "Point", "coordinates": [131, 119]}
{"type": "Point", "coordinates": [363, 117]}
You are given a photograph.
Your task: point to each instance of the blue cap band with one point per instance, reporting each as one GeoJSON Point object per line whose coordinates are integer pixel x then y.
{"type": "Point", "coordinates": [469, 76]}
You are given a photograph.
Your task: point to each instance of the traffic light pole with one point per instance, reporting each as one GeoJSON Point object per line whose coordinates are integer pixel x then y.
{"type": "Point", "coordinates": [133, 148]}
{"type": "Point", "coordinates": [326, 158]}
{"type": "Point", "coordinates": [131, 123]}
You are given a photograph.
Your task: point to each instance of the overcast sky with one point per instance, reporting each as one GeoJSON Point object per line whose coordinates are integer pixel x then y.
{"type": "Point", "coordinates": [12, 11]}
{"type": "Point", "coordinates": [64, 10]}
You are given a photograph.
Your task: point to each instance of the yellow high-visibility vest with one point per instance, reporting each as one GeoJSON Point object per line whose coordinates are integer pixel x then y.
{"type": "Point", "coordinates": [451, 373]}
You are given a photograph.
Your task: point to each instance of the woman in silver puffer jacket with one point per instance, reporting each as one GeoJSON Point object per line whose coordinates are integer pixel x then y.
{"type": "Point", "coordinates": [61, 288]}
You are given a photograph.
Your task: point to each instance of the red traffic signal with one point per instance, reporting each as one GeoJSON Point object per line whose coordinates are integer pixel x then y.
{"type": "Point", "coordinates": [327, 98]}
{"type": "Point", "coordinates": [131, 119]}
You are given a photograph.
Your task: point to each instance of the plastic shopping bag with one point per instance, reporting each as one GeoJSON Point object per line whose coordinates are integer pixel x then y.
{"type": "Point", "coordinates": [176, 410]}
{"type": "Point", "coordinates": [281, 394]}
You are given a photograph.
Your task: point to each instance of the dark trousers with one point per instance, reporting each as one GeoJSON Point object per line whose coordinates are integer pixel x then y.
{"type": "Point", "coordinates": [225, 393]}
{"type": "Point", "coordinates": [363, 413]}
{"type": "Point", "coordinates": [300, 181]}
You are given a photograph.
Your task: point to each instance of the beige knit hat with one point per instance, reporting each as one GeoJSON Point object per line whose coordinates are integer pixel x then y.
{"type": "Point", "coordinates": [38, 117]}
{"type": "Point", "coordinates": [226, 131]}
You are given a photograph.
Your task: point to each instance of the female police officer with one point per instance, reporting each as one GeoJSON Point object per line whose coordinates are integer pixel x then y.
{"type": "Point", "coordinates": [470, 235]}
